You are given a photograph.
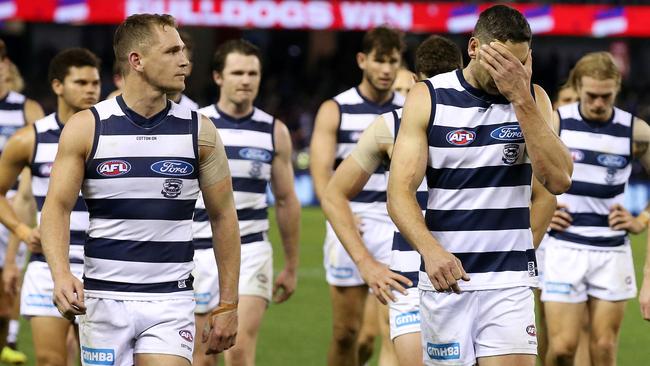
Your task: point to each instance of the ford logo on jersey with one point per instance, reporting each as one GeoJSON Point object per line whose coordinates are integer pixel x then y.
{"type": "Point", "coordinates": [113, 168]}
{"type": "Point", "coordinates": [507, 133]}
{"type": "Point", "coordinates": [460, 137]}
{"type": "Point", "coordinates": [174, 168]}
{"type": "Point", "coordinates": [611, 161]}
{"type": "Point", "coordinates": [251, 153]}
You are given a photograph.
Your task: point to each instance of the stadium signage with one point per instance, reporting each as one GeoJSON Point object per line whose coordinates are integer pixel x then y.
{"type": "Point", "coordinates": [416, 16]}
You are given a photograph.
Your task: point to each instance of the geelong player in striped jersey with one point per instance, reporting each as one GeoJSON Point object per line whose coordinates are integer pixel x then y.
{"type": "Point", "coordinates": [479, 135]}
{"type": "Point", "coordinates": [74, 77]}
{"type": "Point", "coordinates": [258, 147]}
{"type": "Point", "coordinates": [141, 161]}
{"type": "Point", "coordinates": [434, 56]}
{"type": "Point", "coordinates": [16, 111]}
{"type": "Point", "coordinates": [339, 123]}
{"type": "Point", "coordinates": [588, 259]}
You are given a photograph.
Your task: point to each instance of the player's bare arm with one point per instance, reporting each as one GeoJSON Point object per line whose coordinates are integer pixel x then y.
{"type": "Point", "coordinates": [65, 184]}
{"type": "Point", "coordinates": [323, 146]}
{"type": "Point", "coordinates": [15, 157]}
{"type": "Point", "coordinates": [216, 187]}
{"type": "Point", "coordinates": [348, 180]}
{"type": "Point", "coordinates": [550, 159]}
{"type": "Point", "coordinates": [542, 207]}
{"type": "Point", "coordinates": [407, 169]}
{"type": "Point", "coordinates": [287, 209]}
{"type": "Point", "coordinates": [33, 111]}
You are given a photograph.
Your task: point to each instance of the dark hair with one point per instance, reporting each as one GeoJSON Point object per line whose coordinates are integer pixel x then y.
{"type": "Point", "coordinates": [383, 41]}
{"type": "Point", "coordinates": [3, 50]}
{"type": "Point", "coordinates": [187, 39]}
{"type": "Point", "coordinates": [71, 57]}
{"type": "Point", "coordinates": [502, 23]}
{"type": "Point", "coordinates": [240, 46]}
{"type": "Point", "coordinates": [437, 55]}
{"type": "Point", "coordinates": [137, 31]}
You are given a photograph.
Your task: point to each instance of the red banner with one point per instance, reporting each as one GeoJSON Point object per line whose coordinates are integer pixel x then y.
{"type": "Point", "coordinates": [580, 20]}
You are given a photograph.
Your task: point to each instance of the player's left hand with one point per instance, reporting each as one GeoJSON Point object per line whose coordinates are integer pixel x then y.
{"type": "Point", "coordinates": [68, 296]}
{"type": "Point", "coordinates": [644, 299]}
{"type": "Point", "coordinates": [622, 219]}
{"type": "Point", "coordinates": [220, 331]}
{"type": "Point", "coordinates": [285, 285]}
{"type": "Point", "coordinates": [511, 77]}
{"type": "Point", "coordinates": [11, 279]}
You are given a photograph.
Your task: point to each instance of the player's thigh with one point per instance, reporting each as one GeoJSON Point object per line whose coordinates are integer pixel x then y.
{"type": "Point", "coordinates": [6, 301]}
{"type": "Point", "coordinates": [408, 348]}
{"type": "Point", "coordinates": [606, 317]}
{"type": "Point", "coordinates": [564, 320]}
{"type": "Point", "coordinates": [200, 348]}
{"type": "Point", "coordinates": [508, 360]}
{"type": "Point", "coordinates": [250, 313]}
{"type": "Point", "coordinates": [348, 304]}
{"type": "Point", "coordinates": [150, 359]}
{"type": "Point", "coordinates": [49, 335]}
{"type": "Point", "coordinates": [370, 327]}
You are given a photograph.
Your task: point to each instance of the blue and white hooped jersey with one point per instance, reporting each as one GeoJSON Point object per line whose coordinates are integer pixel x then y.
{"type": "Point", "coordinates": [250, 149]}
{"type": "Point", "coordinates": [356, 114]}
{"type": "Point", "coordinates": [602, 154]}
{"type": "Point", "coordinates": [405, 260]}
{"type": "Point", "coordinates": [12, 118]}
{"type": "Point", "coordinates": [140, 186]}
{"type": "Point", "coordinates": [186, 102]}
{"type": "Point", "coordinates": [48, 132]}
{"type": "Point", "coordinates": [479, 179]}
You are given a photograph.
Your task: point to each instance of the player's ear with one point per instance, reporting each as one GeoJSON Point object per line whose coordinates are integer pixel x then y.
{"type": "Point", "coordinates": [361, 60]}
{"type": "Point", "coordinates": [57, 87]}
{"type": "Point", "coordinates": [473, 47]}
{"type": "Point", "coordinates": [216, 76]}
{"type": "Point", "coordinates": [135, 61]}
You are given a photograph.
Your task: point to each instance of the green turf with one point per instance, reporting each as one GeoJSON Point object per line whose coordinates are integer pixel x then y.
{"type": "Point", "coordinates": [297, 332]}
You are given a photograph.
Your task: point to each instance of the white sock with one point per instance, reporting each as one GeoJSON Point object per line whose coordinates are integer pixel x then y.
{"type": "Point", "coordinates": [14, 327]}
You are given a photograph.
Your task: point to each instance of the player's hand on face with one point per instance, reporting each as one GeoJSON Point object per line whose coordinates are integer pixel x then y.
{"type": "Point", "coordinates": [444, 270]}
{"type": "Point", "coordinates": [285, 285]}
{"type": "Point", "coordinates": [11, 279]}
{"type": "Point", "coordinates": [644, 300]}
{"type": "Point", "coordinates": [511, 77]}
{"type": "Point", "coordinates": [69, 296]}
{"type": "Point", "coordinates": [382, 280]}
{"type": "Point", "coordinates": [220, 332]}
{"type": "Point", "coordinates": [561, 218]}
{"type": "Point", "coordinates": [622, 219]}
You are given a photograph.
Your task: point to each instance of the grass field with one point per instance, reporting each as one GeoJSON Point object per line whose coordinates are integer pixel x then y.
{"type": "Point", "coordinates": [297, 332]}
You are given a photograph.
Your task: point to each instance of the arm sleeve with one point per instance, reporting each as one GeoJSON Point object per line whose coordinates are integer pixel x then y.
{"type": "Point", "coordinates": [368, 152]}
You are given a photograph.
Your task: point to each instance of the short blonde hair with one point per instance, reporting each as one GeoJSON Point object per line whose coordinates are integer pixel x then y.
{"type": "Point", "coordinates": [137, 32]}
{"type": "Point", "coordinates": [597, 65]}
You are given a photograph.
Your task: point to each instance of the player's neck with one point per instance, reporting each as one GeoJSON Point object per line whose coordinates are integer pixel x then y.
{"type": "Point", "coordinates": [4, 90]}
{"type": "Point", "coordinates": [233, 109]}
{"type": "Point", "coordinates": [468, 74]}
{"type": "Point", "coordinates": [174, 97]}
{"type": "Point", "coordinates": [64, 112]}
{"type": "Point", "coordinates": [142, 98]}
{"type": "Point", "coordinates": [373, 94]}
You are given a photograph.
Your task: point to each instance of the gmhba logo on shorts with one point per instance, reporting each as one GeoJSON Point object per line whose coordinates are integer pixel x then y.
{"type": "Point", "coordinates": [98, 356]}
{"type": "Point", "coordinates": [444, 351]}
{"type": "Point", "coordinates": [410, 318]}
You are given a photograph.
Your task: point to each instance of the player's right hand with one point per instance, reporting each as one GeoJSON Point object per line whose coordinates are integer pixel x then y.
{"type": "Point", "coordinates": [382, 280]}
{"type": "Point", "coordinates": [561, 218]}
{"type": "Point", "coordinates": [69, 295]}
{"type": "Point", "coordinates": [11, 279]}
{"type": "Point", "coordinates": [220, 331]}
{"type": "Point", "coordinates": [444, 270]}
{"type": "Point", "coordinates": [644, 299]}
{"type": "Point", "coordinates": [31, 237]}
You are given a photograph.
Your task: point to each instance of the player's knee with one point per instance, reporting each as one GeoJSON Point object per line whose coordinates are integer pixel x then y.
{"type": "Point", "coordinates": [345, 336]}
{"type": "Point", "coordinates": [238, 356]}
{"type": "Point", "coordinates": [563, 348]}
{"type": "Point", "coordinates": [603, 347]}
{"type": "Point", "coordinates": [50, 358]}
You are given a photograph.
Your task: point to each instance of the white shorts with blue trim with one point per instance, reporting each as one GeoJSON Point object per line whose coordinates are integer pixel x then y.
{"type": "Point", "coordinates": [113, 331]}
{"type": "Point", "coordinates": [340, 269]}
{"type": "Point", "coordinates": [404, 314]}
{"type": "Point", "coordinates": [36, 295]}
{"type": "Point", "coordinates": [459, 328]}
{"type": "Point", "coordinates": [255, 275]}
{"type": "Point", "coordinates": [575, 272]}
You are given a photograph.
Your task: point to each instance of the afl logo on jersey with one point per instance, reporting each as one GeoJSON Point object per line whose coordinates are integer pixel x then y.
{"type": "Point", "coordinates": [45, 169]}
{"type": "Point", "coordinates": [611, 161]}
{"type": "Point", "coordinates": [113, 168]}
{"type": "Point", "coordinates": [507, 133]}
{"type": "Point", "coordinates": [174, 168]}
{"type": "Point", "coordinates": [577, 155]}
{"type": "Point", "coordinates": [460, 137]}
{"type": "Point", "coordinates": [251, 153]}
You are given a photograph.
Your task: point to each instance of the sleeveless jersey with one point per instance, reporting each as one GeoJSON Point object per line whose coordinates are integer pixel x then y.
{"type": "Point", "coordinates": [48, 132]}
{"type": "Point", "coordinates": [356, 114]}
{"type": "Point", "coordinates": [250, 150]}
{"type": "Point", "coordinates": [602, 154]}
{"type": "Point", "coordinates": [479, 180]}
{"type": "Point", "coordinates": [140, 186]}
{"type": "Point", "coordinates": [188, 103]}
{"type": "Point", "coordinates": [12, 118]}
{"type": "Point", "coordinates": [404, 259]}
